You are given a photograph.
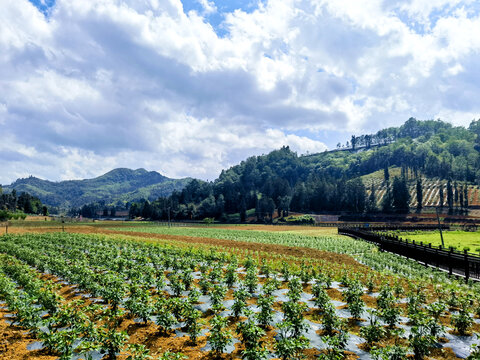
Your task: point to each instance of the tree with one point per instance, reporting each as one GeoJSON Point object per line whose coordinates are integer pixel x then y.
{"type": "Point", "coordinates": [455, 187]}
{"type": "Point", "coordinates": [242, 209]}
{"type": "Point", "coordinates": [147, 210]}
{"type": "Point", "coordinates": [387, 201]}
{"type": "Point", "coordinates": [371, 206]}
{"type": "Point", "coordinates": [355, 195]}
{"type": "Point", "coordinates": [284, 205]}
{"type": "Point", "coordinates": [354, 141]}
{"type": "Point", "coordinates": [44, 211]}
{"type": "Point", "coordinates": [386, 173]}
{"type": "Point", "coordinates": [449, 196]}
{"type": "Point", "coordinates": [419, 193]}
{"type": "Point", "coordinates": [400, 195]}
{"type": "Point", "coordinates": [440, 193]}
{"type": "Point", "coordinates": [269, 207]}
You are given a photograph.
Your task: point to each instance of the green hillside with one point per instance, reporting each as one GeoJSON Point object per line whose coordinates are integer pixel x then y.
{"type": "Point", "coordinates": [116, 186]}
{"type": "Point", "coordinates": [433, 152]}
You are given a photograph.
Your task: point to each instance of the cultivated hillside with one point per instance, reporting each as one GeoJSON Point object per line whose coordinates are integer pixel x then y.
{"type": "Point", "coordinates": [431, 188]}
{"type": "Point", "coordinates": [329, 182]}
{"type": "Point", "coordinates": [116, 186]}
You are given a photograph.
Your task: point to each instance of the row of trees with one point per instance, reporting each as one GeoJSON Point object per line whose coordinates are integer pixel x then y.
{"type": "Point", "coordinates": [25, 202]}
{"type": "Point", "coordinates": [317, 194]}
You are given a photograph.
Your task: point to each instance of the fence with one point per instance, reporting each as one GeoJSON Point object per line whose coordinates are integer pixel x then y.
{"type": "Point", "coordinates": [454, 262]}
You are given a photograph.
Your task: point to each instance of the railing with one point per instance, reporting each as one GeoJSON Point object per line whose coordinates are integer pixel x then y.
{"type": "Point", "coordinates": [454, 262]}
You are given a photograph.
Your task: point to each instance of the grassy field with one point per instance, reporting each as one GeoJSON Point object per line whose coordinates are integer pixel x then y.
{"type": "Point", "coordinates": [457, 239]}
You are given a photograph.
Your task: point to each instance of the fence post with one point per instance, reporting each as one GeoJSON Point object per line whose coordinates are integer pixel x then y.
{"type": "Point", "coordinates": [467, 266]}
{"type": "Point", "coordinates": [450, 270]}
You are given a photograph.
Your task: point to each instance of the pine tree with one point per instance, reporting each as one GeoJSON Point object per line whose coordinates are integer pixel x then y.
{"type": "Point", "coordinates": [440, 193]}
{"type": "Point", "coordinates": [372, 201]}
{"type": "Point", "coordinates": [419, 193]}
{"type": "Point", "coordinates": [456, 193]}
{"type": "Point", "coordinates": [387, 200]}
{"type": "Point", "coordinates": [400, 195]}
{"type": "Point", "coordinates": [449, 196]}
{"type": "Point", "coordinates": [465, 197]}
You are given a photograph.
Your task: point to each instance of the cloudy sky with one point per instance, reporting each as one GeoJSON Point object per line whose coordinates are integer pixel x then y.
{"type": "Point", "coordinates": [189, 87]}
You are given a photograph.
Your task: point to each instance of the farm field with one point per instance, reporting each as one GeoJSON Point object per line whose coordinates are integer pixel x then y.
{"type": "Point", "coordinates": [458, 239]}
{"type": "Point", "coordinates": [130, 292]}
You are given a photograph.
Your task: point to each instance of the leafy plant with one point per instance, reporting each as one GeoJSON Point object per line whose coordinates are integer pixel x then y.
{"type": "Point", "coordinates": [191, 323]}
{"type": "Point", "coordinates": [289, 347]}
{"type": "Point", "coordinates": [294, 289]}
{"type": "Point", "coordinates": [251, 335]}
{"type": "Point", "coordinates": [251, 280]}
{"type": "Point", "coordinates": [421, 341]}
{"type": "Point", "coordinates": [353, 296]}
{"type": "Point", "coordinates": [165, 318]}
{"type": "Point", "coordinates": [138, 352]}
{"type": "Point", "coordinates": [265, 316]}
{"type": "Point", "coordinates": [240, 301]}
{"type": "Point", "coordinates": [217, 295]}
{"type": "Point", "coordinates": [169, 355]}
{"type": "Point", "coordinates": [373, 331]}
{"type": "Point", "coordinates": [393, 352]}
{"type": "Point", "coordinates": [219, 337]}
{"type": "Point", "coordinates": [335, 345]}
{"type": "Point", "coordinates": [330, 319]}
{"type": "Point", "coordinates": [231, 275]}
{"type": "Point", "coordinates": [293, 313]}
{"type": "Point", "coordinates": [463, 320]}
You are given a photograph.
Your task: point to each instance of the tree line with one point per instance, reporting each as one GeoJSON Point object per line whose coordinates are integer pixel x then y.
{"type": "Point", "coordinates": [11, 203]}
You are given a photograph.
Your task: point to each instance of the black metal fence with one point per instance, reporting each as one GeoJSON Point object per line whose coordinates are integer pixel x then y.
{"type": "Point", "coordinates": [454, 262]}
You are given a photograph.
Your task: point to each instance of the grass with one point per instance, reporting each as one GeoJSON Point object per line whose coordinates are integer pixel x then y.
{"type": "Point", "coordinates": [457, 239]}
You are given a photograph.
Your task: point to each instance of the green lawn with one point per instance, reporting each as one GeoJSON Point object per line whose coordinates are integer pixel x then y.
{"type": "Point", "coordinates": [457, 239]}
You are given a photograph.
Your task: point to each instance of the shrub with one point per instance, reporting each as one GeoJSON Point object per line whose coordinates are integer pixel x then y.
{"type": "Point", "coordinates": [287, 346]}
{"type": "Point", "coordinates": [373, 332]}
{"type": "Point", "coordinates": [265, 316]}
{"type": "Point", "coordinates": [251, 335]}
{"type": "Point", "coordinates": [219, 337]}
{"type": "Point", "coordinates": [240, 302]}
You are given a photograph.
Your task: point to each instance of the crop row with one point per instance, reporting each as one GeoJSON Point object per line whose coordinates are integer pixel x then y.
{"type": "Point", "coordinates": [209, 293]}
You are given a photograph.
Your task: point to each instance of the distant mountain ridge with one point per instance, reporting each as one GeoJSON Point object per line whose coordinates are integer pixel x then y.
{"type": "Point", "coordinates": [117, 186]}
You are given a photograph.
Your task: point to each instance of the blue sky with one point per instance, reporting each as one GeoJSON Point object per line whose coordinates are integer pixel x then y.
{"type": "Point", "coordinates": [189, 88]}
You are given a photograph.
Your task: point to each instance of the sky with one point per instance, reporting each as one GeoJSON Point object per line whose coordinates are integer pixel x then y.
{"type": "Point", "coordinates": [191, 87]}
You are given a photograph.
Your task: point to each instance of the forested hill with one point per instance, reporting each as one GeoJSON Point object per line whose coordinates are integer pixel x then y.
{"type": "Point", "coordinates": [115, 187]}
{"type": "Point", "coordinates": [332, 181]}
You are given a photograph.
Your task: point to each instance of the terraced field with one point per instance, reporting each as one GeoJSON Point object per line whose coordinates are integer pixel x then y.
{"type": "Point", "coordinates": [431, 190]}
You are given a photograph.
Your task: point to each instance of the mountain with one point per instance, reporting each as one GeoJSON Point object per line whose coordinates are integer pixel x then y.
{"type": "Point", "coordinates": [116, 186]}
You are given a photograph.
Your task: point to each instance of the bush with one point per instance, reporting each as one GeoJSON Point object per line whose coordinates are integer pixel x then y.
{"type": "Point", "coordinates": [304, 219]}
{"type": "Point", "coordinates": [219, 337]}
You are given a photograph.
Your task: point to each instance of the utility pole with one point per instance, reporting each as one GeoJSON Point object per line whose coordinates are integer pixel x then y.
{"type": "Point", "coordinates": [440, 227]}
